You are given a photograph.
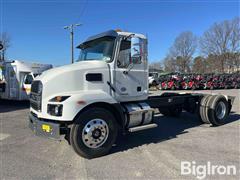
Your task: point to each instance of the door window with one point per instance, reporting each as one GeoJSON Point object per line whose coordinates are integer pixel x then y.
{"type": "Point", "coordinates": [124, 58]}
{"type": "Point", "coordinates": [28, 79]}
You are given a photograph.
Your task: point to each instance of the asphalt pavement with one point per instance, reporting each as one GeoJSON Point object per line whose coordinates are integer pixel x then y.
{"type": "Point", "coordinates": [151, 154]}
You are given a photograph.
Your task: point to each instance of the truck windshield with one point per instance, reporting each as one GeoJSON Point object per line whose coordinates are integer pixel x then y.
{"type": "Point", "coordinates": [99, 49]}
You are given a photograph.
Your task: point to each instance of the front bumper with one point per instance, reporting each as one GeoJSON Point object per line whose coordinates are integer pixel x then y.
{"type": "Point", "coordinates": [44, 128]}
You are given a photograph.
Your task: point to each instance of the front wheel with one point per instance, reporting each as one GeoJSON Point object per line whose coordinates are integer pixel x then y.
{"type": "Point", "coordinates": [93, 133]}
{"type": "Point", "coordinates": [154, 83]}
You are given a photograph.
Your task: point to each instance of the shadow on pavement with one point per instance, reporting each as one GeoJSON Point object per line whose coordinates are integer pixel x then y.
{"type": "Point", "coordinates": [168, 128]}
{"type": "Point", "coordinates": [10, 105]}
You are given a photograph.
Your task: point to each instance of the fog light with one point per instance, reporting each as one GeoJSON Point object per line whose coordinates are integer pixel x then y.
{"type": "Point", "coordinates": [55, 109]}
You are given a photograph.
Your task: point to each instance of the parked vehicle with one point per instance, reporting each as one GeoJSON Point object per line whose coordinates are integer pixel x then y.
{"type": "Point", "coordinates": [199, 81]}
{"type": "Point", "coordinates": [16, 78]}
{"type": "Point", "coordinates": [170, 81]}
{"type": "Point", "coordinates": [236, 81]}
{"type": "Point", "coordinates": [93, 100]}
{"type": "Point", "coordinates": [190, 82]}
{"type": "Point", "coordinates": [153, 79]}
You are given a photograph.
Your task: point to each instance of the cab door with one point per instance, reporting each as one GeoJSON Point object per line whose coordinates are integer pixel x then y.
{"type": "Point", "coordinates": [12, 83]}
{"type": "Point", "coordinates": [131, 70]}
{"type": "Point", "coordinates": [27, 81]}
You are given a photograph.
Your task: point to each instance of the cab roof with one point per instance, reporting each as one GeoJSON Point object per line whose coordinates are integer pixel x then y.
{"type": "Point", "coordinates": [111, 33]}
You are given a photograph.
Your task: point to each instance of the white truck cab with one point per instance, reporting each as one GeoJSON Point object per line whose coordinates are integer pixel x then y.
{"type": "Point", "coordinates": [104, 92]}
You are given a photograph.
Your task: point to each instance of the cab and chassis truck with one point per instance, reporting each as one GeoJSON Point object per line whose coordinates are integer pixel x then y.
{"type": "Point", "coordinates": [106, 93]}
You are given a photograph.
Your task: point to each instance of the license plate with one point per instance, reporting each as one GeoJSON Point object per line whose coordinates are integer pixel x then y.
{"type": "Point", "coordinates": [46, 128]}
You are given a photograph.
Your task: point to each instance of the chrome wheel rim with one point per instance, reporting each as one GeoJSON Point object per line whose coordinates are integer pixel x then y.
{"type": "Point", "coordinates": [220, 110]}
{"type": "Point", "coordinates": [95, 133]}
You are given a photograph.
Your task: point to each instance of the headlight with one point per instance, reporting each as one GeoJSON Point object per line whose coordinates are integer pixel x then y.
{"type": "Point", "coordinates": [59, 98]}
{"type": "Point", "coordinates": [55, 109]}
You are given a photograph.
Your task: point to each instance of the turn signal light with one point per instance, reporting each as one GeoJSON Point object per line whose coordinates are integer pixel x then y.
{"type": "Point", "coordinates": [59, 98]}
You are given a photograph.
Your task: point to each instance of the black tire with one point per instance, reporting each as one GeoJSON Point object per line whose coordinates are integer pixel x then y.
{"type": "Point", "coordinates": [202, 109]}
{"type": "Point", "coordinates": [154, 83]}
{"type": "Point", "coordinates": [213, 110]}
{"type": "Point", "coordinates": [76, 139]}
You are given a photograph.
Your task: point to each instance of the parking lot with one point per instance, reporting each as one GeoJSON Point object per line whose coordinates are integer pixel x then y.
{"type": "Point", "coordinates": [150, 154]}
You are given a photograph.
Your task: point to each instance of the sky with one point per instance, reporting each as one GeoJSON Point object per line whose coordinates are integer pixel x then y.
{"type": "Point", "coordinates": [37, 34]}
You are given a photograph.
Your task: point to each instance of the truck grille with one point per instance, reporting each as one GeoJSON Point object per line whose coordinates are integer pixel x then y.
{"type": "Point", "coordinates": [36, 96]}
{"type": "Point", "coordinates": [35, 86]}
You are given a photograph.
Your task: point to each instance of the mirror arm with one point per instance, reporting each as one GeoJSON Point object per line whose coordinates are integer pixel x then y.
{"type": "Point", "coordinates": [129, 36]}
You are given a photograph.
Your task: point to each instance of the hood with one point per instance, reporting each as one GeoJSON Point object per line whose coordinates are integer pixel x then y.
{"type": "Point", "coordinates": [78, 66]}
{"type": "Point", "coordinates": [71, 77]}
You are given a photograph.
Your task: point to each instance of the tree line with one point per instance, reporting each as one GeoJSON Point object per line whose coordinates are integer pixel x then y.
{"type": "Point", "coordinates": [216, 51]}
{"type": "Point", "coordinates": [5, 41]}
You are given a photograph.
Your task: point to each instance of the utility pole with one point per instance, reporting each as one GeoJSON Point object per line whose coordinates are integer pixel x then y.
{"type": "Point", "coordinates": [71, 29]}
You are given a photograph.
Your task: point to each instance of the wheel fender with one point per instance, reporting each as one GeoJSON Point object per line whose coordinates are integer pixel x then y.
{"type": "Point", "coordinates": [82, 99]}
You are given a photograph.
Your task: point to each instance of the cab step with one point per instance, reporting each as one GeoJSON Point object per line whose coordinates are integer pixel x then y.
{"type": "Point", "coordinates": [143, 127]}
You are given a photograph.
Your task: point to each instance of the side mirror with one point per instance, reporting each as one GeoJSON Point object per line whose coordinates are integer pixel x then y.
{"type": "Point", "coordinates": [135, 50]}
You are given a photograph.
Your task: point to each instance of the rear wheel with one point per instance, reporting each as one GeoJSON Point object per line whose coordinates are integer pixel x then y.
{"type": "Point", "coordinates": [218, 110]}
{"type": "Point", "coordinates": [214, 109]}
{"type": "Point", "coordinates": [202, 109]}
{"type": "Point", "coordinates": [93, 133]}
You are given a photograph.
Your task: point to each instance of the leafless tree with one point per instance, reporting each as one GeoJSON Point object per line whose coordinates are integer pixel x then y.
{"type": "Point", "coordinates": [157, 65]}
{"type": "Point", "coordinates": [5, 41]}
{"type": "Point", "coordinates": [199, 65]}
{"type": "Point", "coordinates": [222, 41]}
{"type": "Point", "coordinates": [170, 64]}
{"type": "Point", "coordinates": [183, 49]}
